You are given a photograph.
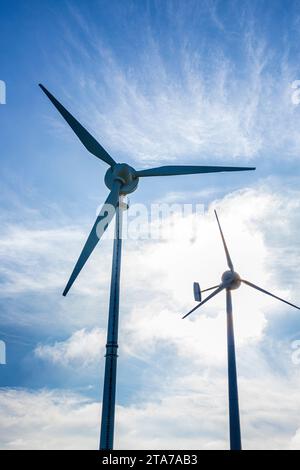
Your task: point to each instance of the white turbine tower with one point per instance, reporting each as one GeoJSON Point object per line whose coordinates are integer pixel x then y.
{"type": "Point", "coordinates": [231, 280]}
{"type": "Point", "coordinates": [121, 179]}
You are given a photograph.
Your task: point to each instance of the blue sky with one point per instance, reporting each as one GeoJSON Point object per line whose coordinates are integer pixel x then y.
{"type": "Point", "coordinates": [157, 82]}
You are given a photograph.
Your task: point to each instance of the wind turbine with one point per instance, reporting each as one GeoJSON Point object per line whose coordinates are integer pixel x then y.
{"type": "Point", "coordinates": [121, 179]}
{"type": "Point", "coordinates": [231, 280]}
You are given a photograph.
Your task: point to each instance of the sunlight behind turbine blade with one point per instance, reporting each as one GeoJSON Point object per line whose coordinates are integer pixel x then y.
{"type": "Point", "coordinates": [269, 293]}
{"type": "Point", "coordinates": [229, 262]}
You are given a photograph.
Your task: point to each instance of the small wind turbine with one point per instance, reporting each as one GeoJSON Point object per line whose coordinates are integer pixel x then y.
{"type": "Point", "coordinates": [230, 281]}
{"type": "Point", "coordinates": [121, 179]}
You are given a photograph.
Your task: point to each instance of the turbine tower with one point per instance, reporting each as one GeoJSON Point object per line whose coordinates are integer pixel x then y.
{"type": "Point", "coordinates": [121, 179]}
{"type": "Point", "coordinates": [230, 281]}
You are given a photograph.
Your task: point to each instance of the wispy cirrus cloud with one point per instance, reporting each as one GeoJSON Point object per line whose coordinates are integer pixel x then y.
{"type": "Point", "coordinates": [171, 102]}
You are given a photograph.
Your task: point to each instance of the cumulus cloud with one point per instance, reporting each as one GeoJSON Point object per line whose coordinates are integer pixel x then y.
{"type": "Point", "coordinates": [157, 279]}
{"type": "Point", "coordinates": [83, 348]}
{"type": "Point", "coordinates": [169, 269]}
{"type": "Point", "coordinates": [189, 249]}
{"type": "Point", "coordinates": [195, 416]}
{"type": "Point", "coordinates": [47, 420]}
{"type": "Point", "coordinates": [188, 412]}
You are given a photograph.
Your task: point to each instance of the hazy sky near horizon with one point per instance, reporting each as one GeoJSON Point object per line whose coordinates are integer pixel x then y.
{"type": "Point", "coordinates": [156, 82]}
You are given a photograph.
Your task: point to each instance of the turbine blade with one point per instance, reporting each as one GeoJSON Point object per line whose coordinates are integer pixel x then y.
{"type": "Point", "coordinates": [210, 288]}
{"type": "Point", "coordinates": [219, 289]}
{"type": "Point", "coordinates": [229, 262]}
{"type": "Point", "coordinates": [103, 220]}
{"type": "Point", "coordinates": [188, 170]}
{"type": "Point", "coordinates": [83, 135]}
{"type": "Point", "coordinates": [268, 293]}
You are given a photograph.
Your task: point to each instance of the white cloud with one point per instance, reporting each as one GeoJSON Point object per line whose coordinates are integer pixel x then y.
{"type": "Point", "coordinates": [204, 105]}
{"type": "Point", "coordinates": [201, 105]}
{"type": "Point", "coordinates": [23, 251]}
{"type": "Point", "coordinates": [39, 259]}
{"type": "Point", "coordinates": [82, 349]}
{"type": "Point", "coordinates": [196, 416]}
{"type": "Point", "coordinates": [295, 443]}
{"type": "Point", "coordinates": [47, 420]}
{"type": "Point", "coordinates": [157, 275]}
{"type": "Point", "coordinates": [165, 272]}
{"type": "Point", "coordinates": [156, 290]}
{"type": "Point", "coordinates": [187, 412]}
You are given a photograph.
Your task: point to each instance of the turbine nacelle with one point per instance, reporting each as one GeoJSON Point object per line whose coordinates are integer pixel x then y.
{"type": "Point", "coordinates": [231, 280]}
{"type": "Point", "coordinates": [123, 173]}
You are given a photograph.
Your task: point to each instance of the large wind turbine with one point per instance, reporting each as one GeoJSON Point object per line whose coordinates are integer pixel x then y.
{"type": "Point", "coordinates": [121, 179]}
{"type": "Point", "coordinates": [230, 281]}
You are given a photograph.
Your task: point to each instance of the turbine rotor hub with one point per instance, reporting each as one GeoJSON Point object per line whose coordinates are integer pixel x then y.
{"type": "Point", "coordinates": [231, 280]}
{"type": "Point", "coordinates": [123, 173]}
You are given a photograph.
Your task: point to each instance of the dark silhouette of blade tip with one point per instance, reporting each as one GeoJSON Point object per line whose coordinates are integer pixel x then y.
{"type": "Point", "coordinates": [66, 289]}
{"type": "Point", "coordinates": [246, 168]}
